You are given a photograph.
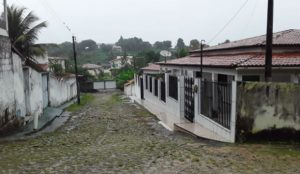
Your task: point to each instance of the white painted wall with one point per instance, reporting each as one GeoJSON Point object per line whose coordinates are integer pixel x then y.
{"type": "Point", "coordinates": [36, 93]}
{"type": "Point", "coordinates": [61, 90]}
{"type": "Point", "coordinates": [168, 112]}
{"type": "Point", "coordinates": [7, 92]}
{"type": "Point", "coordinates": [129, 90]}
{"type": "Point", "coordinates": [172, 111]}
{"type": "Point", "coordinates": [19, 93]}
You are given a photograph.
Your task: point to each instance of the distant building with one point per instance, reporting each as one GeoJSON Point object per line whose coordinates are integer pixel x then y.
{"type": "Point", "coordinates": [119, 62]}
{"type": "Point", "coordinates": [57, 61]}
{"type": "Point", "coordinates": [93, 69]}
{"type": "Point", "coordinates": [47, 62]}
{"type": "Point", "coordinates": [117, 48]}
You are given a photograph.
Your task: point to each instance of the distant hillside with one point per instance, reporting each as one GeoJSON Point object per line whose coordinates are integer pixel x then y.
{"type": "Point", "coordinates": [89, 51]}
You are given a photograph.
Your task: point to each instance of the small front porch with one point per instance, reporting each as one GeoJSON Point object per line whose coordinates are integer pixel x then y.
{"type": "Point", "coordinates": [208, 106]}
{"type": "Point", "coordinates": [198, 130]}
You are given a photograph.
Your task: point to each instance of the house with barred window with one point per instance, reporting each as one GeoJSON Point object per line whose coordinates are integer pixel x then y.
{"type": "Point", "coordinates": [231, 101]}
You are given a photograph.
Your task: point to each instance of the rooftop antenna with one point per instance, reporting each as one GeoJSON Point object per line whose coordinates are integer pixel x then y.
{"type": "Point", "coordinates": [165, 54]}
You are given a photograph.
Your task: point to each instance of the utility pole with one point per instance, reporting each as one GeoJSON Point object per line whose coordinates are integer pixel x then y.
{"type": "Point", "coordinates": [5, 14]}
{"type": "Point", "coordinates": [269, 44]}
{"type": "Point", "coordinates": [76, 70]}
{"type": "Point", "coordinates": [201, 58]}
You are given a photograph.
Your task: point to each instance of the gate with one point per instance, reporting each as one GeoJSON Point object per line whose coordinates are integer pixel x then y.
{"type": "Point", "coordinates": [142, 88]}
{"type": "Point", "coordinates": [189, 99]}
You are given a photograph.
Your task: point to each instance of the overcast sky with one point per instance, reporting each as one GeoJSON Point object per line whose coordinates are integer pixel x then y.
{"type": "Point", "coordinates": [106, 20]}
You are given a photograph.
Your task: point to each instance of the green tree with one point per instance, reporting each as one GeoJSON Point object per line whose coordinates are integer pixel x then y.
{"type": "Point", "coordinates": [133, 44]}
{"type": "Point", "coordinates": [194, 44]}
{"type": "Point", "coordinates": [182, 53]}
{"type": "Point", "coordinates": [107, 48]}
{"type": "Point", "coordinates": [225, 42]}
{"type": "Point", "coordinates": [180, 44]}
{"type": "Point", "coordinates": [23, 31]}
{"type": "Point", "coordinates": [164, 45]}
{"type": "Point", "coordinates": [87, 45]}
{"type": "Point", "coordinates": [151, 56]}
{"type": "Point", "coordinates": [124, 75]}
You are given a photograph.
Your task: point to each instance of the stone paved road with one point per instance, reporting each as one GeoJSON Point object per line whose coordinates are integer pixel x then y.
{"type": "Point", "coordinates": [109, 136]}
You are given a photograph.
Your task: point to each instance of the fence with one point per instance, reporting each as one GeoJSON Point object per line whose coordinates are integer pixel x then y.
{"type": "Point", "coordinates": [163, 91]}
{"type": "Point", "coordinates": [103, 85]}
{"type": "Point", "coordinates": [216, 101]}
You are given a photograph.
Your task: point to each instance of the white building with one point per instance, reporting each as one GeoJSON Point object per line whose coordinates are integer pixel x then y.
{"type": "Point", "coordinates": [93, 69]}
{"type": "Point", "coordinates": [120, 62]}
{"type": "Point", "coordinates": [217, 106]}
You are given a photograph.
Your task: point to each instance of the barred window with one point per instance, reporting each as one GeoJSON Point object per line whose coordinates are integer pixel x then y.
{"type": "Point", "coordinates": [163, 91]}
{"type": "Point", "coordinates": [173, 87]}
{"type": "Point", "coordinates": [156, 87]}
{"type": "Point", "coordinates": [146, 82]}
{"type": "Point", "coordinates": [150, 87]}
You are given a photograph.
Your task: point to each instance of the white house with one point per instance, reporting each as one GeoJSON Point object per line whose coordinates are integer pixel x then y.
{"type": "Point", "coordinates": [93, 69]}
{"type": "Point", "coordinates": [120, 62]}
{"type": "Point", "coordinates": [58, 61]}
{"type": "Point", "coordinates": [217, 106]}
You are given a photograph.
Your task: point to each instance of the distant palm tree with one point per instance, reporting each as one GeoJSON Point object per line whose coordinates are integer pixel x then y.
{"type": "Point", "coordinates": [23, 31]}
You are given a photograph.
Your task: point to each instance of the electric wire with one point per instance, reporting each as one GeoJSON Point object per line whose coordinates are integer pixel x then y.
{"type": "Point", "coordinates": [251, 16]}
{"type": "Point", "coordinates": [55, 15]}
{"type": "Point", "coordinates": [229, 22]}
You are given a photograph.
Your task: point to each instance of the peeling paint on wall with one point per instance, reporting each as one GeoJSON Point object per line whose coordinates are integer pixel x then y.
{"type": "Point", "coordinates": [268, 107]}
{"type": "Point", "coordinates": [11, 98]}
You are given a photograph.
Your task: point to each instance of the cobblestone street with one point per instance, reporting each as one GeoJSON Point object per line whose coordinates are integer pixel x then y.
{"type": "Point", "coordinates": [111, 136]}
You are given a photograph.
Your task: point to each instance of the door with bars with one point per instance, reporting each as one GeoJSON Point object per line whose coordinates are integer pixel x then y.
{"type": "Point", "coordinates": [189, 99]}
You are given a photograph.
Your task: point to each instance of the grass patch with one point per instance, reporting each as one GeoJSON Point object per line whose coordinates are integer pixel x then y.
{"type": "Point", "coordinates": [280, 151]}
{"type": "Point", "coordinates": [84, 99]}
{"type": "Point", "coordinates": [114, 99]}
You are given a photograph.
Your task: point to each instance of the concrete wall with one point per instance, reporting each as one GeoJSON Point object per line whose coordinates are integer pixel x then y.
{"type": "Point", "coordinates": [12, 108]}
{"type": "Point", "coordinates": [168, 112]}
{"type": "Point", "coordinates": [129, 90]}
{"type": "Point", "coordinates": [19, 86]}
{"type": "Point", "coordinates": [267, 108]}
{"type": "Point", "coordinates": [61, 90]}
{"type": "Point", "coordinates": [34, 92]}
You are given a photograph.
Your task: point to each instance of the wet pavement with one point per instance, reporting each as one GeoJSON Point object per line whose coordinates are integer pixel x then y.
{"type": "Point", "coordinates": [113, 135]}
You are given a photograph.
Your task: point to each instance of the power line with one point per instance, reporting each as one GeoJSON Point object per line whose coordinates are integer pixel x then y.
{"type": "Point", "coordinates": [55, 15]}
{"type": "Point", "coordinates": [251, 16]}
{"type": "Point", "coordinates": [231, 19]}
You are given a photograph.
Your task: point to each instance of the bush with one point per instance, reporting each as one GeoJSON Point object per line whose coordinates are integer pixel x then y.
{"type": "Point", "coordinates": [124, 75]}
{"type": "Point", "coordinates": [57, 69]}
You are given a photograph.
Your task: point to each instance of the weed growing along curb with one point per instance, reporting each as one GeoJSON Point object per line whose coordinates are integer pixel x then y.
{"type": "Point", "coordinates": [84, 99]}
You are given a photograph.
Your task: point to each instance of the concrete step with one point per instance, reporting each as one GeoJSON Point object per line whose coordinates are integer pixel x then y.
{"type": "Point", "coordinates": [198, 131]}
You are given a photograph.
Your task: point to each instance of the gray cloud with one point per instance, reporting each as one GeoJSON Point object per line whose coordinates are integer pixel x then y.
{"type": "Point", "coordinates": [106, 20]}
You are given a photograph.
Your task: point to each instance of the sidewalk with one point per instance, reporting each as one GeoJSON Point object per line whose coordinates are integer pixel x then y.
{"type": "Point", "coordinates": [49, 115]}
